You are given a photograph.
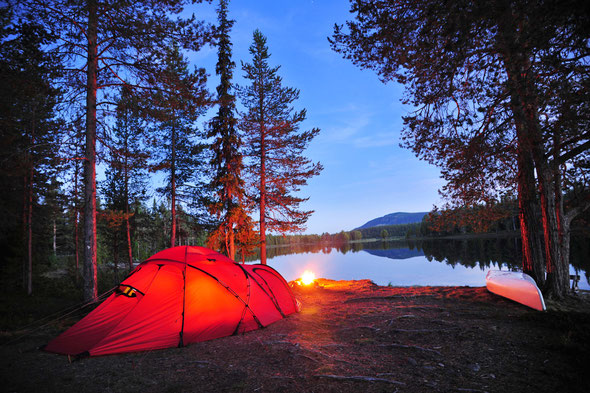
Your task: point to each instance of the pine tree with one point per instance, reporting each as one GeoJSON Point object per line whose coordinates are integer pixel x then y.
{"type": "Point", "coordinates": [126, 178]}
{"type": "Point", "coordinates": [29, 138]}
{"type": "Point", "coordinates": [130, 158]}
{"type": "Point", "coordinates": [113, 190]}
{"type": "Point", "coordinates": [180, 99]}
{"type": "Point", "coordinates": [274, 144]}
{"type": "Point", "coordinates": [104, 46]}
{"type": "Point", "coordinates": [73, 188]}
{"type": "Point", "coordinates": [235, 225]}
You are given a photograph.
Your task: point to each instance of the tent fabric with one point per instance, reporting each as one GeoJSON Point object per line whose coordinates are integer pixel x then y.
{"type": "Point", "coordinates": [179, 296]}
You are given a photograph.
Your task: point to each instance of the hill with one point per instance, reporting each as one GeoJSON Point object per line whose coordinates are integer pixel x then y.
{"type": "Point", "coordinates": [394, 219]}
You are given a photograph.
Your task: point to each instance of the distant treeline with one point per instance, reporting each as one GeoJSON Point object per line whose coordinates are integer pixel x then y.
{"type": "Point", "coordinates": [386, 231]}
{"type": "Point", "coordinates": [379, 232]}
{"type": "Point", "coordinates": [500, 218]}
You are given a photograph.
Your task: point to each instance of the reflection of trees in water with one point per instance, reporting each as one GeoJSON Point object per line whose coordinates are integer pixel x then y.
{"type": "Point", "coordinates": [395, 253]}
{"type": "Point", "coordinates": [275, 251]}
{"type": "Point", "coordinates": [482, 252]}
{"type": "Point", "coordinates": [327, 247]}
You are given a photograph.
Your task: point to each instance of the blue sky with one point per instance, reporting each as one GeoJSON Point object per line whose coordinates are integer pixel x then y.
{"type": "Point", "coordinates": [366, 174]}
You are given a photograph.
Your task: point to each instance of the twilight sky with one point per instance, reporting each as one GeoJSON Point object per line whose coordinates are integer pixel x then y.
{"type": "Point", "coordinates": [366, 174]}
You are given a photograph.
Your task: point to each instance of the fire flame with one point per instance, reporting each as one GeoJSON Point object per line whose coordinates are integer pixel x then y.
{"type": "Point", "coordinates": [308, 277]}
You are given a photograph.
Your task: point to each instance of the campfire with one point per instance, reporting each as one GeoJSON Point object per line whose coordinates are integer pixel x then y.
{"type": "Point", "coordinates": [307, 277]}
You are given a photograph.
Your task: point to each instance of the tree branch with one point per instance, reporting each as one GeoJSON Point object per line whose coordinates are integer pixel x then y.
{"type": "Point", "coordinates": [571, 153]}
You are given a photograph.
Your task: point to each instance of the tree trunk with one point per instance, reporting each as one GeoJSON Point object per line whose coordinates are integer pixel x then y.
{"type": "Point", "coordinates": [76, 221]}
{"type": "Point", "coordinates": [29, 210]}
{"type": "Point", "coordinates": [516, 64]}
{"type": "Point", "coordinates": [30, 232]}
{"type": "Point", "coordinates": [54, 238]}
{"type": "Point", "coordinates": [532, 255]}
{"type": "Point", "coordinates": [25, 227]}
{"type": "Point", "coordinates": [173, 188]}
{"type": "Point", "coordinates": [232, 245]}
{"type": "Point", "coordinates": [262, 197]}
{"type": "Point", "coordinates": [127, 224]}
{"type": "Point", "coordinates": [90, 273]}
{"type": "Point", "coordinates": [116, 255]}
{"type": "Point", "coordinates": [557, 268]}
{"type": "Point", "coordinates": [557, 273]}
{"type": "Point", "coordinates": [555, 225]}
{"type": "Point", "coordinates": [128, 232]}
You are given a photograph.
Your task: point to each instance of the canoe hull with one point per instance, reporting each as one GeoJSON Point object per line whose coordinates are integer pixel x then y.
{"type": "Point", "coordinates": [516, 286]}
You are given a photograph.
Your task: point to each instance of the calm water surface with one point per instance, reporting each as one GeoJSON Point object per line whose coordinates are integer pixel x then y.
{"type": "Point", "coordinates": [440, 263]}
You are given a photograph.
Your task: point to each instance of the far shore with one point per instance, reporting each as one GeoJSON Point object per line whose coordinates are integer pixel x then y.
{"type": "Point", "coordinates": [503, 234]}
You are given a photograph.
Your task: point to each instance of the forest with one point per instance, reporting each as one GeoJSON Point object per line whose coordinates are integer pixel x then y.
{"type": "Point", "coordinates": [113, 148]}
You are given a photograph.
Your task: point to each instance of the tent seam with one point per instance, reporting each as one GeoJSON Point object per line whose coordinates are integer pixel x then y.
{"type": "Point", "coordinates": [123, 318]}
{"type": "Point", "coordinates": [282, 279]}
{"type": "Point", "coordinates": [230, 291]}
{"type": "Point", "coordinates": [271, 298]}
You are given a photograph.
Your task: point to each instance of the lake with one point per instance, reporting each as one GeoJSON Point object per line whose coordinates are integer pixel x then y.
{"type": "Point", "coordinates": [400, 263]}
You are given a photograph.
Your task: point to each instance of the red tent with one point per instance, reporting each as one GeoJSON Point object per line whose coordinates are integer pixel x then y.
{"type": "Point", "coordinates": [179, 296]}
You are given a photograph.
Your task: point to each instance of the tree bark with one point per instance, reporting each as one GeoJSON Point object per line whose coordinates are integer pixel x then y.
{"type": "Point", "coordinates": [90, 268]}
{"type": "Point", "coordinates": [116, 255]}
{"type": "Point", "coordinates": [30, 232]}
{"type": "Point", "coordinates": [29, 210]}
{"type": "Point", "coordinates": [173, 187]}
{"type": "Point", "coordinates": [557, 284]}
{"type": "Point", "coordinates": [262, 197]}
{"type": "Point", "coordinates": [24, 227]}
{"type": "Point", "coordinates": [128, 232]}
{"type": "Point", "coordinates": [516, 64]}
{"type": "Point", "coordinates": [556, 224]}
{"type": "Point", "coordinates": [232, 242]}
{"type": "Point", "coordinates": [127, 224]}
{"type": "Point", "coordinates": [532, 255]}
{"type": "Point", "coordinates": [54, 238]}
{"type": "Point", "coordinates": [76, 222]}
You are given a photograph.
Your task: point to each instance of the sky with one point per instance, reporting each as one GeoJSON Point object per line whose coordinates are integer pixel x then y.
{"type": "Point", "coordinates": [366, 174]}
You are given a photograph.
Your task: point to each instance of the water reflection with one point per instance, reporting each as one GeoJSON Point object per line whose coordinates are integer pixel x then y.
{"type": "Point", "coordinates": [428, 262]}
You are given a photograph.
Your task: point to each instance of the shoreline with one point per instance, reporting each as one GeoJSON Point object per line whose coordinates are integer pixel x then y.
{"type": "Point", "coordinates": [349, 336]}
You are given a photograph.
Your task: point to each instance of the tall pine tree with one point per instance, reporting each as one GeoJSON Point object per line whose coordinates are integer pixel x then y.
{"type": "Point", "coordinates": [113, 213]}
{"type": "Point", "coordinates": [235, 226]}
{"type": "Point", "coordinates": [177, 103]}
{"type": "Point", "coordinates": [30, 130]}
{"type": "Point", "coordinates": [274, 146]}
{"type": "Point", "coordinates": [104, 45]}
{"type": "Point", "coordinates": [126, 183]}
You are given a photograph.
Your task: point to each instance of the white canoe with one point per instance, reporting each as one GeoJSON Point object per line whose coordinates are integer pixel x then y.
{"type": "Point", "coordinates": [516, 286]}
